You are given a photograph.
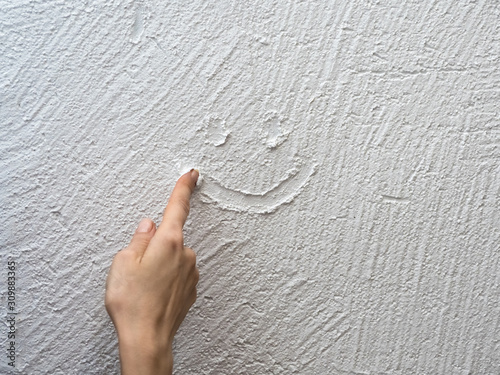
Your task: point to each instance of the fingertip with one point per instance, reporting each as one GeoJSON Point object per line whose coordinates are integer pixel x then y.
{"type": "Point", "coordinates": [195, 173]}
{"type": "Point", "coordinates": [190, 178]}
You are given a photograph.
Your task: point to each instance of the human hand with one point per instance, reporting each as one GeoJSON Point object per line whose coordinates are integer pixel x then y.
{"type": "Point", "coordinates": [151, 285]}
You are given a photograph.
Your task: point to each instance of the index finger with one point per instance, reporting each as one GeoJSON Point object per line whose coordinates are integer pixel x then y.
{"type": "Point", "coordinates": [177, 209]}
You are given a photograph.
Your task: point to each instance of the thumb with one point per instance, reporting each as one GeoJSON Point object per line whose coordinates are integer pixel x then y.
{"type": "Point", "coordinates": [143, 234]}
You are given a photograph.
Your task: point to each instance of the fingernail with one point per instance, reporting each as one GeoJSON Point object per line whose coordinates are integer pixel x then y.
{"type": "Point", "coordinates": [195, 174]}
{"type": "Point", "coordinates": [144, 226]}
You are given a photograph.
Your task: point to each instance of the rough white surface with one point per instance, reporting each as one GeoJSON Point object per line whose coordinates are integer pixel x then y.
{"type": "Point", "coordinates": [349, 218]}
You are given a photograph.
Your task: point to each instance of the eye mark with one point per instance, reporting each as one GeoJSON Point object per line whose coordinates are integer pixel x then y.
{"type": "Point", "coordinates": [215, 130]}
{"type": "Point", "coordinates": [273, 132]}
{"type": "Point", "coordinates": [214, 191]}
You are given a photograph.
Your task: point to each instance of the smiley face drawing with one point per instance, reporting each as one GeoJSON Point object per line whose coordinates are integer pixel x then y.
{"type": "Point", "coordinates": [254, 107]}
{"type": "Point", "coordinates": [253, 154]}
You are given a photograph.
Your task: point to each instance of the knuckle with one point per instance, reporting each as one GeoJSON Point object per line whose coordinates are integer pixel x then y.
{"type": "Point", "coordinates": [173, 238]}
{"type": "Point", "coordinates": [122, 256]}
{"type": "Point", "coordinates": [112, 301]}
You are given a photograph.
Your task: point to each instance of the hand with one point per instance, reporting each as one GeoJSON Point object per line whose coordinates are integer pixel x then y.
{"type": "Point", "coordinates": [151, 286]}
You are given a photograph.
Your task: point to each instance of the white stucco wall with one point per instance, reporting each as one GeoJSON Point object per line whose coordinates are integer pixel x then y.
{"type": "Point", "coordinates": [348, 221]}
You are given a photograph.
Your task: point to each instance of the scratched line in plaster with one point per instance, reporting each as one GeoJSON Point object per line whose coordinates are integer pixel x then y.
{"type": "Point", "coordinates": [268, 201]}
{"type": "Point", "coordinates": [138, 26]}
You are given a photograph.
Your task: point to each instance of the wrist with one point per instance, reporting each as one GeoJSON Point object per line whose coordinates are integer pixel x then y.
{"type": "Point", "coordinates": [145, 354]}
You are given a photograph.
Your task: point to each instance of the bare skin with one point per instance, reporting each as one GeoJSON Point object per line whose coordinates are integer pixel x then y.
{"type": "Point", "coordinates": [151, 285]}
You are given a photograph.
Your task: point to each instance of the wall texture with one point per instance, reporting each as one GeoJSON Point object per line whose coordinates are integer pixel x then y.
{"type": "Point", "coordinates": [348, 220]}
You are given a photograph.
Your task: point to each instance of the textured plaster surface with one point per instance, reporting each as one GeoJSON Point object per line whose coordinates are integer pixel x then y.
{"type": "Point", "coordinates": [348, 221]}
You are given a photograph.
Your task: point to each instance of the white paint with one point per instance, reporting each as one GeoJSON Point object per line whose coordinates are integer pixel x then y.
{"type": "Point", "coordinates": [348, 218]}
{"type": "Point", "coordinates": [185, 168]}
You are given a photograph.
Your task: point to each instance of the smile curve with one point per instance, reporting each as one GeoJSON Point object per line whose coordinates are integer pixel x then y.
{"type": "Point", "coordinates": [213, 191]}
